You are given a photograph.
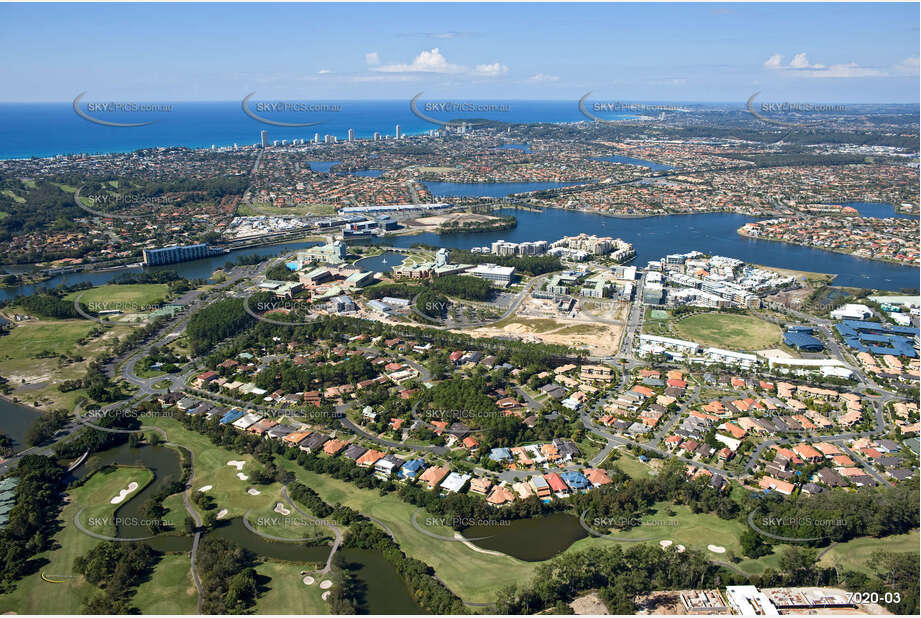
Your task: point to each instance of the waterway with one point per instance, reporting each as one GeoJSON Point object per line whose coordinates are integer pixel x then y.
{"type": "Point", "coordinates": [877, 210]}
{"type": "Point", "coordinates": [533, 539]}
{"type": "Point", "coordinates": [166, 465]}
{"type": "Point", "coordinates": [655, 237]}
{"type": "Point", "coordinates": [382, 590]}
{"type": "Point", "coordinates": [195, 269]}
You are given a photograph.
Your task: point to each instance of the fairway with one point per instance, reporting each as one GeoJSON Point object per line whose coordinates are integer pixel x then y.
{"type": "Point", "coordinates": [170, 589]}
{"type": "Point", "coordinates": [101, 488]}
{"type": "Point", "coordinates": [855, 554]}
{"type": "Point", "coordinates": [728, 330]}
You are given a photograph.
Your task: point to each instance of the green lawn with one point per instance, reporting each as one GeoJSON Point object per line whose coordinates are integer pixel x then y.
{"type": "Point", "coordinates": [138, 296]}
{"type": "Point", "coordinates": [32, 594]}
{"type": "Point", "coordinates": [211, 468]}
{"type": "Point", "coordinates": [287, 593]}
{"type": "Point", "coordinates": [728, 330]}
{"type": "Point", "coordinates": [290, 526]}
{"type": "Point", "coordinates": [683, 527]}
{"type": "Point", "coordinates": [632, 466]}
{"type": "Point", "coordinates": [30, 338]}
{"type": "Point", "coordinates": [170, 589]}
{"type": "Point", "coordinates": [855, 554]}
{"type": "Point", "coordinates": [101, 487]}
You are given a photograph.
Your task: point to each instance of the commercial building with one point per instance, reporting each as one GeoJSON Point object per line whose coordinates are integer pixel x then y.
{"type": "Point", "coordinates": [178, 253]}
{"type": "Point", "coordinates": [331, 253]}
{"type": "Point", "coordinates": [492, 272]}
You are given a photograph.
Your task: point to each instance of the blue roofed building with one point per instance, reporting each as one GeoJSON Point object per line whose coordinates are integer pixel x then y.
{"type": "Point", "coordinates": [411, 469]}
{"type": "Point", "coordinates": [575, 480]}
{"type": "Point", "coordinates": [878, 338]}
{"type": "Point", "coordinates": [231, 416]}
{"type": "Point", "coordinates": [802, 339]}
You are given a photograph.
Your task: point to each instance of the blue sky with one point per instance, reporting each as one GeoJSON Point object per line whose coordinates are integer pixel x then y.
{"type": "Point", "coordinates": [850, 53]}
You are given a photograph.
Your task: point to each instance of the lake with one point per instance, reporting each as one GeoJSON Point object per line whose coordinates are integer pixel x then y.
{"type": "Point", "coordinates": [655, 237]}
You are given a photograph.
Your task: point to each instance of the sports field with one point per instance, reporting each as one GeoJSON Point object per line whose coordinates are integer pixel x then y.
{"type": "Point", "coordinates": [728, 330]}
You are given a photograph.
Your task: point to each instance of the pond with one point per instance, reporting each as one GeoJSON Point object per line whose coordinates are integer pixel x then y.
{"type": "Point", "coordinates": [382, 263]}
{"type": "Point", "coordinates": [533, 539]}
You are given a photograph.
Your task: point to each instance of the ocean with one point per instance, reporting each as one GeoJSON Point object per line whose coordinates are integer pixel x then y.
{"type": "Point", "coordinates": [49, 129]}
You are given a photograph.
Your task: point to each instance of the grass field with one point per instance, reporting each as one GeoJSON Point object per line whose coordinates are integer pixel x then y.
{"type": "Point", "coordinates": [633, 466]}
{"type": "Point", "coordinates": [125, 297]}
{"type": "Point", "coordinates": [855, 554]}
{"type": "Point", "coordinates": [728, 330]}
{"type": "Point", "coordinates": [170, 589]}
{"type": "Point", "coordinates": [287, 593]}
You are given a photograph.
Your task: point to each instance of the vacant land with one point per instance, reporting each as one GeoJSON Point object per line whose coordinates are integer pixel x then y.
{"type": "Point", "coordinates": [728, 330]}
{"type": "Point", "coordinates": [37, 355]}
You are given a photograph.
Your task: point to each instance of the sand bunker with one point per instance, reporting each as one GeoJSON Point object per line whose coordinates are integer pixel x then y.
{"type": "Point", "coordinates": [253, 492]}
{"type": "Point", "coordinates": [679, 549]}
{"type": "Point", "coordinates": [205, 488]}
{"type": "Point", "coordinates": [326, 584]}
{"type": "Point", "coordinates": [325, 595]}
{"type": "Point", "coordinates": [124, 493]}
{"type": "Point", "coordinates": [281, 510]}
{"type": "Point", "coordinates": [309, 580]}
{"type": "Point", "coordinates": [222, 514]}
{"type": "Point", "coordinates": [242, 476]}
{"type": "Point", "coordinates": [665, 544]}
{"type": "Point", "coordinates": [717, 549]}
{"type": "Point", "coordinates": [236, 464]}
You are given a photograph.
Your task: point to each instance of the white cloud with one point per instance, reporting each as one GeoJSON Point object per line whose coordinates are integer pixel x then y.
{"type": "Point", "coordinates": [774, 62]}
{"type": "Point", "coordinates": [909, 66]}
{"type": "Point", "coordinates": [801, 62]}
{"type": "Point", "coordinates": [675, 81]}
{"type": "Point", "coordinates": [324, 71]}
{"type": "Point", "coordinates": [372, 59]}
{"type": "Point", "coordinates": [543, 77]}
{"type": "Point", "coordinates": [801, 67]}
{"type": "Point", "coordinates": [490, 70]}
{"type": "Point", "coordinates": [426, 62]}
